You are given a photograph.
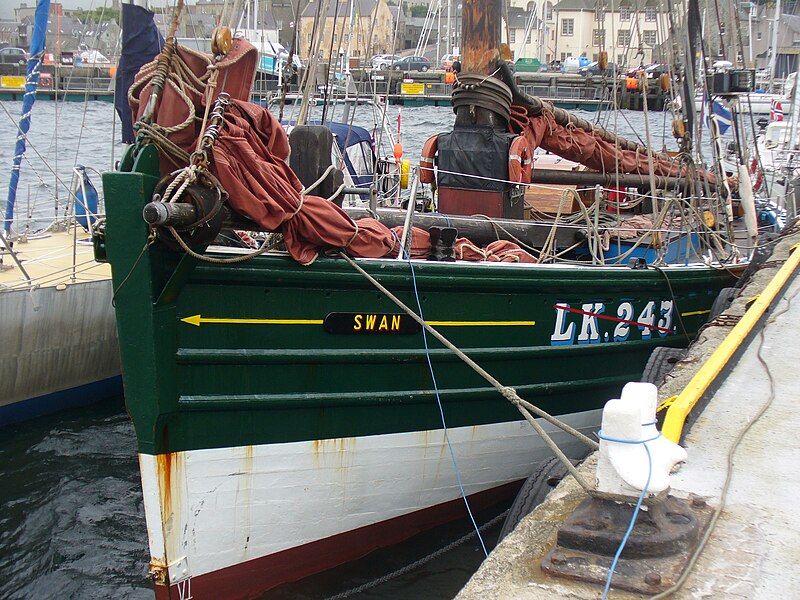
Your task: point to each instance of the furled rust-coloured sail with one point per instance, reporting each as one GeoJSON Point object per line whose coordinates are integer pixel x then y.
{"type": "Point", "coordinates": [586, 147]}
{"type": "Point", "coordinates": [562, 133]}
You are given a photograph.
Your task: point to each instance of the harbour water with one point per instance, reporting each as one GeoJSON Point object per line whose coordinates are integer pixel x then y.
{"type": "Point", "coordinates": [71, 515]}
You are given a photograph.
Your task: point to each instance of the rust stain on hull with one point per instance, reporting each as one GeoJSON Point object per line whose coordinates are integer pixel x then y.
{"type": "Point", "coordinates": [167, 465]}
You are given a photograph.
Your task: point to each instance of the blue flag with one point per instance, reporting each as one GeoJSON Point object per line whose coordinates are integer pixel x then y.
{"type": "Point", "coordinates": [722, 116]}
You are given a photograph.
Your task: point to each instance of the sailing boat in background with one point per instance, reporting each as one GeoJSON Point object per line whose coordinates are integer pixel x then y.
{"type": "Point", "coordinates": [59, 344]}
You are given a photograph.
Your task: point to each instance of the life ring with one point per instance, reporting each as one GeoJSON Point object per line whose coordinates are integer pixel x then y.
{"type": "Point", "coordinates": [520, 161]}
{"type": "Point", "coordinates": [429, 149]}
{"type": "Point", "coordinates": [405, 167]}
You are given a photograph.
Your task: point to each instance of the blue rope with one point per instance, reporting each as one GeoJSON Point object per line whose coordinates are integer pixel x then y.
{"type": "Point", "coordinates": [439, 402]}
{"type": "Point", "coordinates": [638, 503]}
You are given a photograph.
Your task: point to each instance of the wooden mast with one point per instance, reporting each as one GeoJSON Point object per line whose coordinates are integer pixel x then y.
{"type": "Point", "coordinates": [480, 51]}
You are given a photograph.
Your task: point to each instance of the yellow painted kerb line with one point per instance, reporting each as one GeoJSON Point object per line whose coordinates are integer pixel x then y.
{"type": "Point", "coordinates": [694, 390]}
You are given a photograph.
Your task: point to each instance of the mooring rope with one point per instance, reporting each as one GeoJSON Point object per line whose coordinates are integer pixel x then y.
{"type": "Point", "coordinates": [509, 393]}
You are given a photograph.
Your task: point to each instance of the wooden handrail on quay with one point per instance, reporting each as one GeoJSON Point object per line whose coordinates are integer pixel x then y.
{"type": "Point", "coordinates": [694, 391]}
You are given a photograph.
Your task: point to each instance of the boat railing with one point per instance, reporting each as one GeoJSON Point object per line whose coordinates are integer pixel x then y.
{"type": "Point", "coordinates": [564, 92]}
{"type": "Point", "coordinates": [68, 222]}
{"type": "Point", "coordinates": [69, 84]}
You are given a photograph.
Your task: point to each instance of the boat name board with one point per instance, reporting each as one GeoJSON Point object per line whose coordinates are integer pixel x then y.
{"type": "Point", "coordinates": [582, 325]}
{"type": "Point", "coordinates": [361, 323]}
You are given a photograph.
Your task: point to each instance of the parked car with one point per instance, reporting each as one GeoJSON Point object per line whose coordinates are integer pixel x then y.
{"type": "Point", "coordinates": [632, 72]}
{"type": "Point", "coordinates": [447, 61]}
{"type": "Point", "coordinates": [655, 71]}
{"type": "Point", "coordinates": [571, 64]}
{"type": "Point", "coordinates": [412, 63]}
{"type": "Point", "coordinates": [383, 61]}
{"type": "Point", "coordinates": [16, 56]}
{"type": "Point", "coordinates": [594, 70]}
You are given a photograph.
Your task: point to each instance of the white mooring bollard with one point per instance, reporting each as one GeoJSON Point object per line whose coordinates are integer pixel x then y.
{"type": "Point", "coordinates": [629, 433]}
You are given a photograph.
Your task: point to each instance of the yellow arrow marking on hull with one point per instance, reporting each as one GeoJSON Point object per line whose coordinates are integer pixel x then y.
{"type": "Point", "coordinates": [481, 323]}
{"type": "Point", "coordinates": [197, 320]}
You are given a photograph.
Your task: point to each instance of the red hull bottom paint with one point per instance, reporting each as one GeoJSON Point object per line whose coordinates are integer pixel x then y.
{"type": "Point", "coordinates": [252, 578]}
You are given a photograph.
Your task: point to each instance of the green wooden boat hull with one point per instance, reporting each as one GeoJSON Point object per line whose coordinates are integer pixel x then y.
{"type": "Point", "coordinates": [268, 351]}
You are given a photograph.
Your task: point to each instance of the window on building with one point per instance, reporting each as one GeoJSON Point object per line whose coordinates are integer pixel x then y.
{"type": "Point", "coordinates": [599, 14]}
{"type": "Point", "coordinates": [528, 40]}
{"type": "Point", "coordinates": [649, 37]}
{"type": "Point", "coordinates": [650, 14]}
{"type": "Point", "coordinates": [758, 35]}
{"type": "Point", "coordinates": [512, 36]}
{"type": "Point", "coordinates": [567, 26]}
{"type": "Point", "coordinates": [624, 38]}
{"type": "Point", "coordinates": [620, 59]}
{"type": "Point", "coordinates": [594, 57]}
{"type": "Point", "coordinates": [598, 37]}
{"type": "Point", "coordinates": [309, 39]}
{"type": "Point", "coordinates": [563, 56]}
{"type": "Point", "coordinates": [548, 11]}
{"type": "Point", "coordinates": [625, 13]}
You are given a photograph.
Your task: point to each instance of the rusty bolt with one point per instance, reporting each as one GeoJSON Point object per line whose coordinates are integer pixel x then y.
{"type": "Point", "coordinates": [698, 502]}
{"type": "Point", "coordinates": [558, 559]}
{"type": "Point", "coordinates": [652, 578]}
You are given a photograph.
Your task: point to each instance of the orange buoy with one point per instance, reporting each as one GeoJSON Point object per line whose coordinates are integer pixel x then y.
{"type": "Point", "coordinates": [398, 151]}
{"type": "Point", "coordinates": [449, 77]}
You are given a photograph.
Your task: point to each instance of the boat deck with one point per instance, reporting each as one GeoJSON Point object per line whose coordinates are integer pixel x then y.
{"type": "Point", "coordinates": [751, 551]}
{"type": "Point", "coordinates": [55, 259]}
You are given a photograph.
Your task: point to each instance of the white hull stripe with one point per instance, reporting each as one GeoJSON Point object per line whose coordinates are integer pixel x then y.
{"type": "Point", "coordinates": [211, 509]}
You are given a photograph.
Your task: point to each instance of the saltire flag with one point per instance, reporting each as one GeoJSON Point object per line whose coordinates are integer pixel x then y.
{"type": "Point", "coordinates": [776, 111]}
{"type": "Point", "coordinates": [141, 42]}
{"type": "Point", "coordinates": [722, 116]}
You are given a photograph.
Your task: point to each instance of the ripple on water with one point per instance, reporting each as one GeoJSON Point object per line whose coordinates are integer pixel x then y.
{"type": "Point", "coordinates": [72, 520]}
